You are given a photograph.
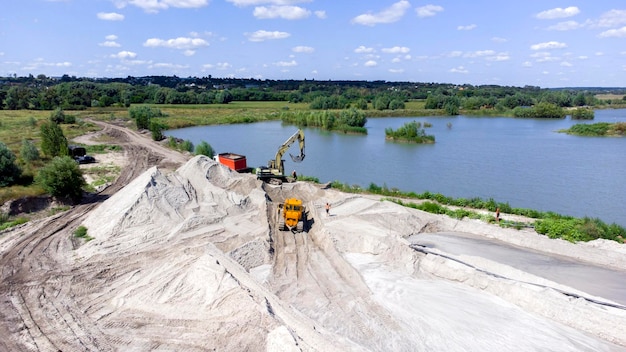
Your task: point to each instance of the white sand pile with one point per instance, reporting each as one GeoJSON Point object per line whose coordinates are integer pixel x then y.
{"type": "Point", "coordinates": [192, 261]}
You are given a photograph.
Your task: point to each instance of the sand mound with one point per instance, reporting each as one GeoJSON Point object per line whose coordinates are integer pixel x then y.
{"type": "Point", "coordinates": [192, 260]}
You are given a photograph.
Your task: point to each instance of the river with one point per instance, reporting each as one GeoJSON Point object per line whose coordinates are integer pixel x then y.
{"type": "Point", "coordinates": [524, 162]}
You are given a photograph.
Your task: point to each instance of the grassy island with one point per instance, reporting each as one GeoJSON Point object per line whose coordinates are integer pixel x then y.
{"type": "Point", "coordinates": [600, 129]}
{"type": "Point", "coordinates": [410, 132]}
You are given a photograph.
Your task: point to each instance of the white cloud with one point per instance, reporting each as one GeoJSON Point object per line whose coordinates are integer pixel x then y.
{"type": "Point", "coordinates": [566, 64]}
{"type": "Point", "coordinates": [111, 37]}
{"type": "Point", "coordinates": [370, 63]}
{"type": "Point", "coordinates": [124, 55]}
{"type": "Point", "coordinates": [548, 45]}
{"type": "Point", "coordinates": [287, 63]}
{"type": "Point", "coordinates": [527, 64]}
{"type": "Point", "coordinates": [261, 35]}
{"type": "Point", "coordinates": [499, 57]}
{"type": "Point", "coordinates": [168, 66]}
{"type": "Point", "coordinates": [110, 44]}
{"type": "Point", "coordinates": [223, 65]}
{"type": "Point", "coordinates": [181, 43]}
{"type": "Point", "coordinates": [189, 52]}
{"type": "Point", "coordinates": [110, 16]}
{"type": "Point", "coordinates": [459, 69]}
{"type": "Point", "coordinates": [396, 50]}
{"type": "Point", "coordinates": [320, 14]}
{"type": "Point", "coordinates": [428, 10]}
{"type": "Point", "coordinates": [284, 12]}
{"type": "Point", "coordinates": [157, 5]}
{"type": "Point", "coordinates": [466, 28]}
{"type": "Point", "coordinates": [396, 70]}
{"type": "Point", "coordinates": [617, 33]}
{"type": "Point", "coordinates": [364, 50]}
{"type": "Point", "coordinates": [558, 13]}
{"type": "Point", "coordinates": [566, 26]}
{"type": "Point", "coordinates": [480, 53]}
{"type": "Point", "coordinates": [455, 53]}
{"type": "Point", "coordinates": [244, 3]}
{"type": "Point", "coordinates": [388, 15]}
{"type": "Point", "coordinates": [583, 57]}
{"type": "Point", "coordinates": [303, 49]}
{"type": "Point", "coordinates": [612, 18]}
{"type": "Point", "coordinates": [499, 40]}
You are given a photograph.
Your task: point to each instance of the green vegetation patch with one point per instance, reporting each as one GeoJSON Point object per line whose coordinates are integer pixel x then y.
{"type": "Point", "coordinates": [575, 229]}
{"type": "Point", "coordinates": [6, 222]}
{"type": "Point", "coordinates": [600, 129]}
{"type": "Point", "coordinates": [81, 232]}
{"type": "Point", "coordinates": [346, 121]}
{"type": "Point", "coordinates": [411, 132]}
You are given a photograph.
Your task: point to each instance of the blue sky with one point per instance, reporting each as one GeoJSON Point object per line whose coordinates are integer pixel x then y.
{"type": "Point", "coordinates": [543, 43]}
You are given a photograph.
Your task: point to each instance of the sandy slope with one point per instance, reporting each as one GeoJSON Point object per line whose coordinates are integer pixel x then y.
{"type": "Point", "coordinates": [192, 261]}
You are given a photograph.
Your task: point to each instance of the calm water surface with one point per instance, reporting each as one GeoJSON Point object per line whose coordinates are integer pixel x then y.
{"type": "Point", "coordinates": [520, 161]}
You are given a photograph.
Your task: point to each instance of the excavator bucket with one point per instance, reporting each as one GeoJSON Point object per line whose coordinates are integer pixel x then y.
{"type": "Point", "coordinates": [298, 158]}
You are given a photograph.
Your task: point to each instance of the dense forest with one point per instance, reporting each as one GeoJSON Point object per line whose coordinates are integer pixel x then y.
{"type": "Point", "coordinates": [72, 93]}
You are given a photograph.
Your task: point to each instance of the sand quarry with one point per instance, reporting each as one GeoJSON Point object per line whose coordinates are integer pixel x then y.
{"type": "Point", "coordinates": [191, 260]}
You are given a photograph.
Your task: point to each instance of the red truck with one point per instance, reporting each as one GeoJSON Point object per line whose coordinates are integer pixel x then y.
{"type": "Point", "coordinates": [233, 161]}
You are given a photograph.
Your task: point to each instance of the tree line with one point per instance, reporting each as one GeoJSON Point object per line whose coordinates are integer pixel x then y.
{"type": "Point", "coordinates": [71, 93]}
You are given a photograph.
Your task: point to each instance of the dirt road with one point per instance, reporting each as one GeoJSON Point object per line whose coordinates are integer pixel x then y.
{"type": "Point", "coordinates": [37, 282]}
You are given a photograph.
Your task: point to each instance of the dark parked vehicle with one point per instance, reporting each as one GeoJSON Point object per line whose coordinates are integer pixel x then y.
{"type": "Point", "coordinates": [85, 159]}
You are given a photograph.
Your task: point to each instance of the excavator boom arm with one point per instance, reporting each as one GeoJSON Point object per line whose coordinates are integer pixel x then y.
{"type": "Point", "coordinates": [299, 136]}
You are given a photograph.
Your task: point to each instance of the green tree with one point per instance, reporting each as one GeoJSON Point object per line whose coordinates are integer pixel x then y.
{"type": "Point", "coordinates": [205, 148]}
{"type": "Point", "coordinates": [53, 142]}
{"type": "Point", "coordinates": [396, 104]}
{"type": "Point", "coordinates": [29, 152]}
{"type": "Point", "coordinates": [142, 115]}
{"type": "Point", "coordinates": [156, 128]}
{"type": "Point", "coordinates": [9, 171]}
{"type": "Point", "coordinates": [223, 97]}
{"type": "Point", "coordinates": [62, 178]}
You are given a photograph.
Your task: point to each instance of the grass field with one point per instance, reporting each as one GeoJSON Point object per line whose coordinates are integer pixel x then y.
{"type": "Point", "coordinates": [610, 96]}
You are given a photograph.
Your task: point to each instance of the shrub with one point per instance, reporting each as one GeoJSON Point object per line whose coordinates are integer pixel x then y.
{"type": "Point", "coordinates": [205, 148]}
{"type": "Point", "coordinates": [9, 171]}
{"type": "Point", "coordinates": [29, 152]}
{"type": "Point", "coordinates": [142, 115]}
{"type": "Point", "coordinates": [187, 145]}
{"type": "Point", "coordinates": [583, 114]}
{"type": "Point", "coordinates": [62, 178]}
{"type": "Point", "coordinates": [53, 142]}
{"type": "Point", "coordinates": [409, 132]}
{"type": "Point", "coordinates": [57, 116]}
{"type": "Point", "coordinates": [156, 129]}
{"type": "Point", "coordinates": [81, 232]}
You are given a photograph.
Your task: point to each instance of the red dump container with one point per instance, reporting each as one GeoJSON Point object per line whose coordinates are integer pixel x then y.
{"type": "Point", "coordinates": [233, 161]}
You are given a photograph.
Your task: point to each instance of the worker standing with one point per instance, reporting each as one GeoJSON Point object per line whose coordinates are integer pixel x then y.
{"type": "Point", "coordinates": [327, 209]}
{"type": "Point", "coordinates": [498, 214]}
{"type": "Point", "coordinates": [295, 176]}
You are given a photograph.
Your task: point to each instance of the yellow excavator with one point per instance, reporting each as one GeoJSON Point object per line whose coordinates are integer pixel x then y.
{"type": "Point", "coordinates": [291, 215]}
{"type": "Point", "coordinates": [275, 170]}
